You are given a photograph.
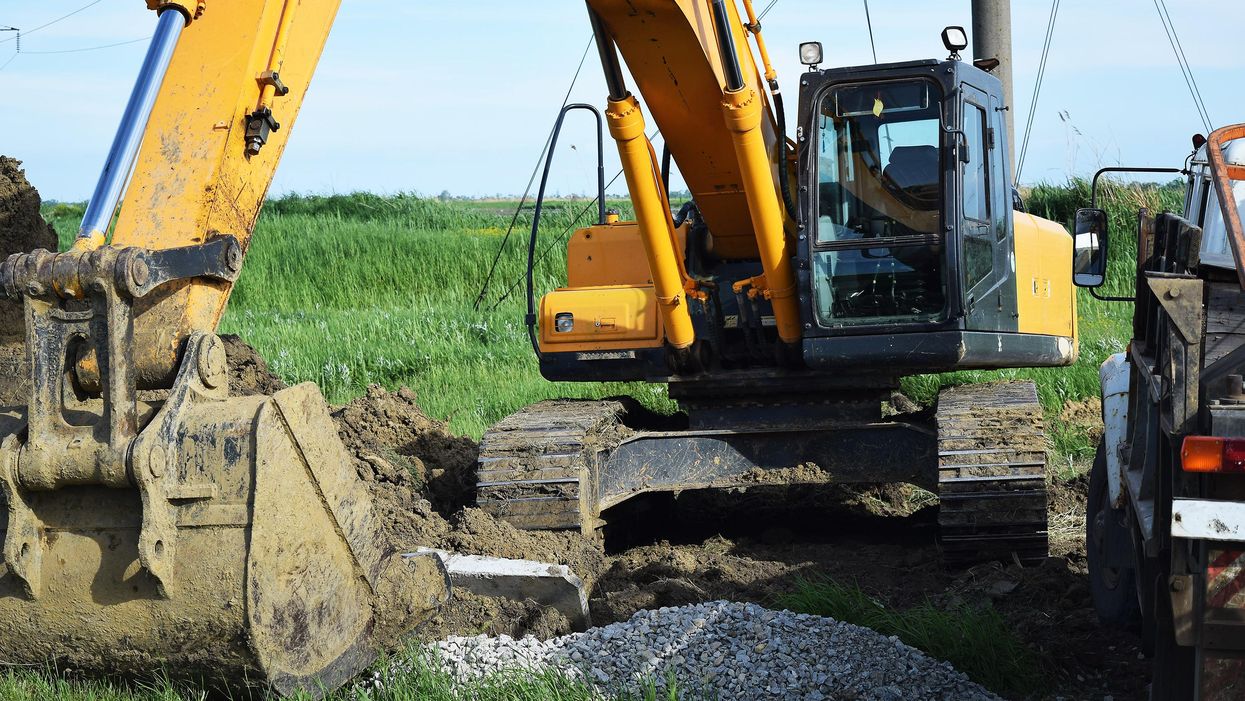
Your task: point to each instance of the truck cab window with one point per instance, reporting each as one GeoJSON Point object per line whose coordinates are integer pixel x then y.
{"type": "Point", "coordinates": [878, 254]}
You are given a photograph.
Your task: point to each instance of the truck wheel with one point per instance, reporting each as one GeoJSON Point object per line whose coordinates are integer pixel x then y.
{"type": "Point", "coordinates": [1107, 540]}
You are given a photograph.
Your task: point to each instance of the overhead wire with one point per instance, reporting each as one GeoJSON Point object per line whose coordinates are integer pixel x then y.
{"type": "Point", "coordinates": [488, 280]}
{"type": "Point", "coordinates": [45, 25]}
{"type": "Point", "coordinates": [1037, 86]}
{"type": "Point", "coordinates": [768, 7]}
{"type": "Point", "coordinates": [90, 48]}
{"type": "Point", "coordinates": [1186, 70]}
{"type": "Point", "coordinates": [869, 23]}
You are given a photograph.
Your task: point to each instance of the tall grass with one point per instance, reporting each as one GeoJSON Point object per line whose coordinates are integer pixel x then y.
{"type": "Point", "coordinates": [977, 641]}
{"type": "Point", "coordinates": [348, 290]}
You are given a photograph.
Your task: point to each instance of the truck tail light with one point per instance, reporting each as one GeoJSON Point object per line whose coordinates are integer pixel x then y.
{"type": "Point", "coordinates": [1213, 454]}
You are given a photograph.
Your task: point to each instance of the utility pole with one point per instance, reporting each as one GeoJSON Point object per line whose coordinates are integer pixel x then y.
{"type": "Point", "coordinates": [992, 38]}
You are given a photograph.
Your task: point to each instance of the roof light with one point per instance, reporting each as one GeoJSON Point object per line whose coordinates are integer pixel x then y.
{"type": "Point", "coordinates": [810, 53]}
{"type": "Point", "coordinates": [1212, 454]}
{"type": "Point", "coordinates": [955, 39]}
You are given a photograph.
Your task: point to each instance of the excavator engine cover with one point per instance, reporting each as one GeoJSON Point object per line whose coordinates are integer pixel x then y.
{"type": "Point", "coordinates": [209, 536]}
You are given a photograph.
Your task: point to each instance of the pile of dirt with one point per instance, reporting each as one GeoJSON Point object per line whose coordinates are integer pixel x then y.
{"type": "Point", "coordinates": [422, 480]}
{"type": "Point", "coordinates": [22, 229]}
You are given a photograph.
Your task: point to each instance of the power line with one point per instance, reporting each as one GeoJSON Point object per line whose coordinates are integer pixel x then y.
{"type": "Point", "coordinates": [768, 7]}
{"type": "Point", "coordinates": [869, 22]}
{"type": "Point", "coordinates": [1037, 86]}
{"type": "Point", "coordinates": [58, 19]}
{"type": "Point", "coordinates": [90, 48]}
{"type": "Point", "coordinates": [526, 191]}
{"type": "Point", "coordinates": [6, 63]}
{"type": "Point", "coordinates": [1186, 70]}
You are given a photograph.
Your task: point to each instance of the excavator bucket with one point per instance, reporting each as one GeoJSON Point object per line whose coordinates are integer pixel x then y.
{"type": "Point", "coordinates": [226, 538]}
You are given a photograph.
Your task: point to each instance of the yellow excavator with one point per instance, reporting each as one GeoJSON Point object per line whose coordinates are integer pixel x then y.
{"type": "Point", "coordinates": [201, 533]}
{"type": "Point", "coordinates": [782, 304]}
{"type": "Point", "coordinates": [208, 533]}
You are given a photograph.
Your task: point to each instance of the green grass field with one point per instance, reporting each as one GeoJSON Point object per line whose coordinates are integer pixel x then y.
{"type": "Point", "coordinates": [350, 290]}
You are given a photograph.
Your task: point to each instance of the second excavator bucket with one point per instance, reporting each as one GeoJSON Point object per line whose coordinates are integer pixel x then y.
{"type": "Point", "coordinates": [226, 538]}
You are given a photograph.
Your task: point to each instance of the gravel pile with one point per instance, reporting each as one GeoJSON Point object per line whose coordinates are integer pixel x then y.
{"type": "Point", "coordinates": [726, 650]}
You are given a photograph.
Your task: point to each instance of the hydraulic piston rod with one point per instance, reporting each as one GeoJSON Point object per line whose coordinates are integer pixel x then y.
{"type": "Point", "coordinates": [124, 150]}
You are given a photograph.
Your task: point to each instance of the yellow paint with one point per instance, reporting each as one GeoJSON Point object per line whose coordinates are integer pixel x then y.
{"type": "Point", "coordinates": [671, 51]}
{"type": "Point", "coordinates": [1045, 298]}
{"type": "Point", "coordinates": [192, 178]}
{"type": "Point", "coordinates": [742, 111]}
{"type": "Point", "coordinates": [626, 124]}
{"type": "Point", "coordinates": [622, 317]}
{"type": "Point", "coordinates": [600, 256]}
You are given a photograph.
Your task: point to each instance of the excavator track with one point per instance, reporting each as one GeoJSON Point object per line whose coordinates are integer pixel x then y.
{"type": "Point", "coordinates": [992, 473]}
{"type": "Point", "coordinates": [538, 467]}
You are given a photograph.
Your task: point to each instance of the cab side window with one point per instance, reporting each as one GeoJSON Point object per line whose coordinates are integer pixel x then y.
{"type": "Point", "coordinates": [978, 244]}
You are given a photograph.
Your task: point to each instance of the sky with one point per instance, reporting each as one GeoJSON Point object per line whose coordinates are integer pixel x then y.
{"type": "Point", "coordinates": [461, 94]}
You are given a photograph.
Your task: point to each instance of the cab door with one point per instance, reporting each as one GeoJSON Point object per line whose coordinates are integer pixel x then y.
{"type": "Point", "coordinates": [983, 224]}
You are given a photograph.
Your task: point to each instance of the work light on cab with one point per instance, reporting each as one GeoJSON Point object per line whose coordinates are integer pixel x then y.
{"type": "Point", "coordinates": [956, 40]}
{"type": "Point", "coordinates": [810, 53]}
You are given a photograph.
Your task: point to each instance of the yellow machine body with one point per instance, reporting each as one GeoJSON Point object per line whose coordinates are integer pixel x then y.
{"type": "Point", "coordinates": [1045, 296]}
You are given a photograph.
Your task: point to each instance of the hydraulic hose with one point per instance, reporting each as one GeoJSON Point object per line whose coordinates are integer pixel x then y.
{"type": "Point", "coordinates": [784, 178]}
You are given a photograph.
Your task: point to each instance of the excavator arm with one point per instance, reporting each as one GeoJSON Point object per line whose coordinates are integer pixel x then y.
{"type": "Point", "coordinates": [213, 535]}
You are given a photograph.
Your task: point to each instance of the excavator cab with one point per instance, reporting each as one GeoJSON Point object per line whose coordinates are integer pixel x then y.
{"type": "Point", "coordinates": [911, 258]}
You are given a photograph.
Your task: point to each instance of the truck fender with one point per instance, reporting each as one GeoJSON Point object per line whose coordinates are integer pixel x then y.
{"type": "Point", "coordinates": [1114, 381]}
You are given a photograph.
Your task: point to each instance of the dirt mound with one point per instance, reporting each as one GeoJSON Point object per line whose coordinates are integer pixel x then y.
{"type": "Point", "coordinates": [422, 481]}
{"type": "Point", "coordinates": [248, 371]}
{"type": "Point", "coordinates": [22, 229]}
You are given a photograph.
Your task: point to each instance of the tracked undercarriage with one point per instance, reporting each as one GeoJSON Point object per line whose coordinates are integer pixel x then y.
{"type": "Point", "coordinates": [564, 464]}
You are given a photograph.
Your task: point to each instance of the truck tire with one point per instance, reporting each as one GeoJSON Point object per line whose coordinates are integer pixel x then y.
{"type": "Point", "coordinates": [1108, 539]}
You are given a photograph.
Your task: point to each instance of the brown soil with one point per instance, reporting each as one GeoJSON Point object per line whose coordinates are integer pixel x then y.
{"type": "Point", "coordinates": [22, 229]}
{"type": "Point", "coordinates": [1084, 415]}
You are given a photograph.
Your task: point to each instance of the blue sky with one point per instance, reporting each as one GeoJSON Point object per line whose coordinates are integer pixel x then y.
{"type": "Point", "coordinates": [462, 94]}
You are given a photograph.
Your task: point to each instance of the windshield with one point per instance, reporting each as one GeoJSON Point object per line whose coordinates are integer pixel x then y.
{"type": "Point", "coordinates": [879, 248]}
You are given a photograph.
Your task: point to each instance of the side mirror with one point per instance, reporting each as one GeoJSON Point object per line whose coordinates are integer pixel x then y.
{"type": "Point", "coordinates": [1089, 248]}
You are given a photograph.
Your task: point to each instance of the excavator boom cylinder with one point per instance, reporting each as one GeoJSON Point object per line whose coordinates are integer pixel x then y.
{"type": "Point", "coordinates": [124, 151]}
{"type": "Point", "coordinates": [626, 124]}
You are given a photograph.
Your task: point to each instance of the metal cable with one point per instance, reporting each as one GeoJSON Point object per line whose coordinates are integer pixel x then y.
{"type": "Point", "coordinates": [488, 280]}
{"type": "Point", "coordinates": [1037, 86]}
{"type": "Point", "coordinates": [869, 23]}
{"type": "Point", "coordinates": [550, 246]}
{"type": "Point", "coordinates": [89, 48]}
{"type": "Point", "coordinates": [58, 19]}
{"type": "Point", "coordinates": [768, 7]}
{"type": "Point", "coordinates": [1186, 70]}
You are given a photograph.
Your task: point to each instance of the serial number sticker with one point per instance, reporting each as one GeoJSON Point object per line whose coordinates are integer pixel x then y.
{"type": "Point", "coordinates": [606, 355]}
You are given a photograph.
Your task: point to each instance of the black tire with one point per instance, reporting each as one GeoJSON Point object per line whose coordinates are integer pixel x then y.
{"type": "Point", "coordinates": [1114, 589]}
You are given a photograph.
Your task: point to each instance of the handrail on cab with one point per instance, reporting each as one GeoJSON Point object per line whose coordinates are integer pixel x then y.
{"type": "Point", "coordinates": [1222, 174]}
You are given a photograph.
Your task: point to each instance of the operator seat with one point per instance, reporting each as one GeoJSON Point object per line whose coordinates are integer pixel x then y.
{"type": "Point", "coordinates": [913, 173]}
